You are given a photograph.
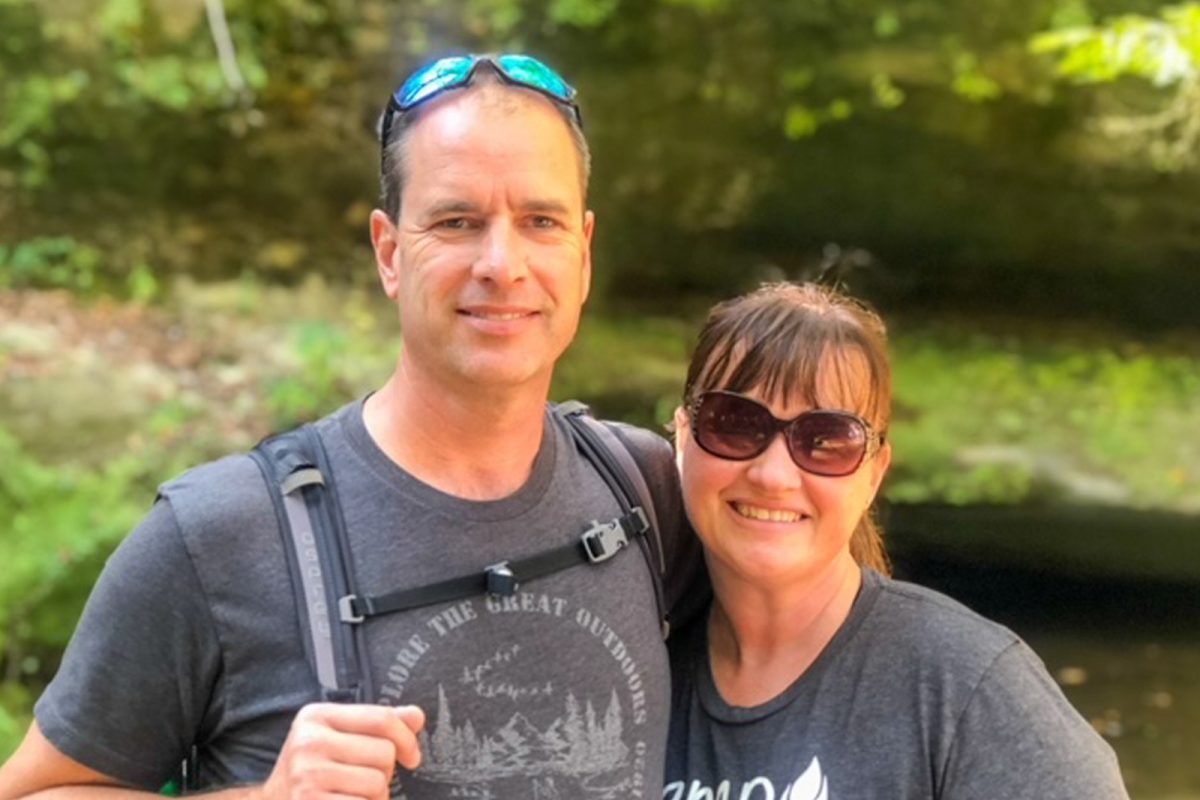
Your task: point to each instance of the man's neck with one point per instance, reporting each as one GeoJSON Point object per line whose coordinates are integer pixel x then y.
{"type": "Point", "coordinates": [479, 445]}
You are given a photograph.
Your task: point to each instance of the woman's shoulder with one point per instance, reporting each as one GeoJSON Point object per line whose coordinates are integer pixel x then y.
{"type": "Point", "coordinates": [931, 626]}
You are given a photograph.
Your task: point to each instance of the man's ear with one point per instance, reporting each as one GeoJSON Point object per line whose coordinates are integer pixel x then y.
{"type": "Point", "coordinates": [682, 434]}
{"type": "Point", "coordinates": [589, 227]}
{"type": "Point", "coordinates": [385, 241]}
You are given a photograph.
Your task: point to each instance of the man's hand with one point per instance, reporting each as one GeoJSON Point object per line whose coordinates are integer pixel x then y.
{"type": "Point", "coordinates": [345, 751]}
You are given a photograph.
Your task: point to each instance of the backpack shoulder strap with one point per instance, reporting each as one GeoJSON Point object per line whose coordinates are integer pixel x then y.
{"type": "Point", "coordinates": [608, 453]}
{"type": "Point", "coordinates": [300, 483]}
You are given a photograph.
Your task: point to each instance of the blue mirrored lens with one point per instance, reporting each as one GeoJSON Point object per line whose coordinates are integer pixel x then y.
{"type": "Point", "coordinates": [442, 74]}
{"type": "Point", "coordinates": [530, 72]}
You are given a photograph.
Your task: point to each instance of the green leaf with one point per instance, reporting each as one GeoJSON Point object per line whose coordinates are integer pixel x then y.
{"type": "Point", "coordinates": [887, 24]}
{"type": "Point", "coordinates": [799, 122]}
{"type": "Point", "coordinates": [884, 93]}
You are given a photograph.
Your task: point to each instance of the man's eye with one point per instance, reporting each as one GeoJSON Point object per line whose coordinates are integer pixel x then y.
{"type": "Point", "coordinates": [455, 224]}
{"type": "Point", "coordinates": [544, 222]}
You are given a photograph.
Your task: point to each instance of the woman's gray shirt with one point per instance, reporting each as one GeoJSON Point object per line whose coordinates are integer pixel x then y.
{"type": "Point", "coordinates": [916, 697]}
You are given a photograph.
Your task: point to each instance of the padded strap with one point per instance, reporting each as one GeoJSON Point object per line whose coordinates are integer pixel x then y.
{"type": "Point", "coordinates": [311, 525]}
{"type": "Point", "coordinates": [612, 459]}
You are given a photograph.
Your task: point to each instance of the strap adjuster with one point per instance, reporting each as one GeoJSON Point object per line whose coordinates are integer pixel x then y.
{"type": "Point", "coordinates": [635, 522]}
{"type": "Point", "coordinates": [603, 540]}
{"type": "Point", "coordinates": [501, 582]}
{"type": "Point", "coordinates": [346, 610]}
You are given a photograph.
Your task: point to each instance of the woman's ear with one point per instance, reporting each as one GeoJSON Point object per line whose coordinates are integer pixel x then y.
{"type": "Point", "coordinates": [880, 463]}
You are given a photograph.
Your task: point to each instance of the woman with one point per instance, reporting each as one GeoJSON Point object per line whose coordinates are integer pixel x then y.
{"type": "Point", "coordinates": [814, 675]}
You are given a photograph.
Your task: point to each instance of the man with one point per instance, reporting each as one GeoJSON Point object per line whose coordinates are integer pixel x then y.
{"type": "Point", "coordinates": [190, 639]}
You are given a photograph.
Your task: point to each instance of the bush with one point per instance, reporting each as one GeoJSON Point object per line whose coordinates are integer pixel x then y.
{"type": "Point", "coordinates": [64, 523]}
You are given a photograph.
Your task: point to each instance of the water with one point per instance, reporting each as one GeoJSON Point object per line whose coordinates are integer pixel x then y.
{"type": "Point", "coordinates": [1127, 654]}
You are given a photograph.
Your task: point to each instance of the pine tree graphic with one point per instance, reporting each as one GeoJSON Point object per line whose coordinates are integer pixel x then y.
{"type": "Point", "coordinates": [578, 743]}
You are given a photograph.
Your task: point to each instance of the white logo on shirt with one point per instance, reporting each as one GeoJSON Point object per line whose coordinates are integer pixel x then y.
{"type": "Point", "coordinates": [811, 785]}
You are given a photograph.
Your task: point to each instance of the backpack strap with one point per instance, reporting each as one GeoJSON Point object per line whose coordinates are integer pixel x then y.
{"type": "Point", "coordinates": [612, 458]}
{"type": "Point", "coordinates": [310, 519]}
{"type": "Point", "coordinates": [328, 603]}
{"type": "Point", "coordinates": [600, 542]}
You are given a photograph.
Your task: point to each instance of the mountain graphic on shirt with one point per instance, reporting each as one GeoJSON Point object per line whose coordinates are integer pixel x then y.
{"type": "Point", "coordinates": [580, 743]}
{"type": "Point", "coordinates": [811, 785]}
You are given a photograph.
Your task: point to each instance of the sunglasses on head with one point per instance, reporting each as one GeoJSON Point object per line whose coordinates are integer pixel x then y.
{"type": "Point", "coordinates": [455, 72]}
{"type": "Point", "coordinates": [829, 443]}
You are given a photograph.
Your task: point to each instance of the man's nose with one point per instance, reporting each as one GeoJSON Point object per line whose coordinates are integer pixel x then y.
{"type": "Point", "coordinates": [502, 256]}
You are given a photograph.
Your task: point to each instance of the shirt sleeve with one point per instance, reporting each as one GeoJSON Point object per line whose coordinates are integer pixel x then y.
{"type": "Point", "coordinates": [1019, 738]}
{"type": "Point", "coordinates": [130, 696]}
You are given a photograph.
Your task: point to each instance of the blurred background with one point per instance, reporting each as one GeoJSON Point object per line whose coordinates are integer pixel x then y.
{"type": "Point", "coordinates": [184, 267]}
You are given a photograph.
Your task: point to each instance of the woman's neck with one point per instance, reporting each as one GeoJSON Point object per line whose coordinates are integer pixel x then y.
{"type": "Point", "coordinates": [761, 640]}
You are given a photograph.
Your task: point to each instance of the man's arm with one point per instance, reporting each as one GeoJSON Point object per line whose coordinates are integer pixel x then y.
{"type": "Point", "coordinates": [332, 750]}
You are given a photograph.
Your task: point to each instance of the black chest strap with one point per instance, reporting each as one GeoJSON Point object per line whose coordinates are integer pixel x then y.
{"type": "Point", "coordinates": [600, 542]}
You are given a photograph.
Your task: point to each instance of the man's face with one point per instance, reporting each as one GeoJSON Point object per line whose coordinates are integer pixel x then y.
{"type": "Point", "coordinates": [490, 260]}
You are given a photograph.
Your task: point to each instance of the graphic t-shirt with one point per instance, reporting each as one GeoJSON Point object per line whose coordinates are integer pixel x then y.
{"type": "Point", "coordinates": [915, 697]}
{"type": "Point", "coordinates": [191, 636]}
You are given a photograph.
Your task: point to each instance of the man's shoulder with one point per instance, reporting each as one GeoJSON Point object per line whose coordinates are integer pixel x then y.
{"type": "Point", "coordinates": [219, 481]}
{"type": "Point", "coordinates": [651, 450]}
{"type": "Point", "coordinates": [230, 482]}
{"type": "Point", "coordinates": [227, 495]}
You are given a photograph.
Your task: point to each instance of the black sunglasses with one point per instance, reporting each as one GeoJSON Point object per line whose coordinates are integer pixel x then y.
{"type": "Point", "coordinates": [829, 443]}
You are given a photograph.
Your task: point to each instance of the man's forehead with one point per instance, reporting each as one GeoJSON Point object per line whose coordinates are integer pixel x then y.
{"type": "Point", "coordinates": [462, 110]}
{"type": "Point", "coordinates": [480, 133]}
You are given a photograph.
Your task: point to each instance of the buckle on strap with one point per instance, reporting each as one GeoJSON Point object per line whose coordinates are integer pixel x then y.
{"type": "Point", "coordinates": [635, 522]}
{"type": "Point", "coordinates": [501, 582]}
{"type": "Point", "coordinates": [603, 540]}
{"type": "Point", "coordinates": [346, 610]}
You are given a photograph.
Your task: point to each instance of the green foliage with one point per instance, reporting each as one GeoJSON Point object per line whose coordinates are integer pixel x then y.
{"type": "Point", "coordinates": [63, 522]}
{"type": "Point", "coordinates": [333, 362]}
{"type": "Point", "coordinates": [887, 24]}
{"type": "Point", "coordinates": [57, 262]}
{"type": "Point", "coordinates": [801, 121]}
{"type": "Point", "coordinates": [316, 385]}
{"type": "Point", "coordinates": [122, 75]}
{"type": "Point", "coordinates": [15, 716]}
{"type": "Point", "coordinates": [582, 13]}
{"type": "Point", "coordinates": [1163, 50]}
{"type": "Point", "coordinates": [495, 18]}
{"type": "Point", "coordinates": [61, 262]}
{"type": "Point", "coordinates": [885, 93]}
{"type": "Point", "coordinates": [629, 368]}
{"type": "Point", "coordinates": [970, 83]}
{"type": "Point", "coordinates": [984, 418]}
{"type": "Point", "coordinates": [703, 6]}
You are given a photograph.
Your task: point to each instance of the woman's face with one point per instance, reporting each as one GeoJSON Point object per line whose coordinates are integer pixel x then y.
{"type": "Point", "coordinates": [767, 521]}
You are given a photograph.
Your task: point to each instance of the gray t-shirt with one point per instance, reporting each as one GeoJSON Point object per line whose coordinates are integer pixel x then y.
{"type": "Point", "coordinates": [191, 635]}
{"type": "Point", "coordinates": [916, 697]}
